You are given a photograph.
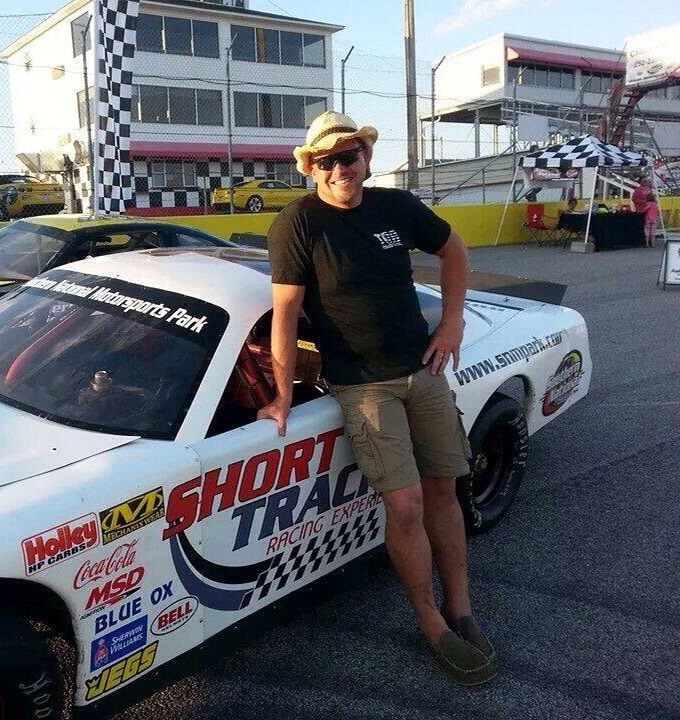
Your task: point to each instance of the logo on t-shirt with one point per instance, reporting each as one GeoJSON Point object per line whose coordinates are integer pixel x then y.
{"type": "Point", "coordinates": [388, 239]}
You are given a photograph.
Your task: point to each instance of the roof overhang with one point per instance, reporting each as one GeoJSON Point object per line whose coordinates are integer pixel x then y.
{"type": "Point", "coordinates": [553, 58]}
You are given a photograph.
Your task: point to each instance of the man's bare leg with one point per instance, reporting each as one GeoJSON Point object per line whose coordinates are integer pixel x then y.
{"type": "Point", "coordinates": [409, 549]}
{"type": "Point", "coordinates": [445, 529]}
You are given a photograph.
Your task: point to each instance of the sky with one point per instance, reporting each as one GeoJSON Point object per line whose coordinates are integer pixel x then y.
{"type": "Point", "coordinates": [375, 29]}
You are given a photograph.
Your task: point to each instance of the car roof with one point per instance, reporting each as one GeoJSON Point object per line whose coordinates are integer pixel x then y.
{"type": "Point", "coordinates": [221, 276]}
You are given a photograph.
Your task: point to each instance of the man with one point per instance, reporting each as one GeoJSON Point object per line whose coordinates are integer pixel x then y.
{"type": "Point", "coordinates": [343, 255]}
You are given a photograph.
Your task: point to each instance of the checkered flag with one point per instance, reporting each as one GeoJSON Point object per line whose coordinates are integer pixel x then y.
{"type": "Point", "coordinates": [320, 550]}
{"type": "Point", "coordinates": [116, 33]}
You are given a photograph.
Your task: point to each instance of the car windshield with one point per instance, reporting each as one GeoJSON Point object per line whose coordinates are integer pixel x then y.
{"type": "Point", "coordinates": [26, 249]}
{"type": "Point", "coordinates": [103, 354]}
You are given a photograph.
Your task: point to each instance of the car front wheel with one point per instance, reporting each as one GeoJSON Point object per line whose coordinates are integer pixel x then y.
{"type": "Point", "coordinates": [31, 686]}
{"type": "Point", "coordinates": [254, 204]}
{"type": "Point", "coordinates": [499, 441]}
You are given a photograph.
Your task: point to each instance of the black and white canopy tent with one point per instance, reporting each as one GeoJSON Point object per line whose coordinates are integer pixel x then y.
{"type": "Point", "coordinates": [577, 154]}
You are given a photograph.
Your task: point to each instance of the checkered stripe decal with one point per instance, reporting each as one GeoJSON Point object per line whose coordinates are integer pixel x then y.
{"type": "Point", "coordinates": [584, 151]}
{"type": "Point", "coordinates": [319, 550]}
{"type": "Point", "coordinates": [115, 47]}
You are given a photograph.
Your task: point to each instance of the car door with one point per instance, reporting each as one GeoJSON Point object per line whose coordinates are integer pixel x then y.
{"type": "Point", "coordinates": [276, 512]}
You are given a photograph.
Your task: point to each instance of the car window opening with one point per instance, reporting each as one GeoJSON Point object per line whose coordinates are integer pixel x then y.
{"type": "Point", "coordinates": [251, 384]}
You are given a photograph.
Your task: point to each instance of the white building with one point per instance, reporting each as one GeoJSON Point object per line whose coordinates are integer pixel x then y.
{"type": "Point", "coordinates": [281, 75]}
{"type": "Point", "coordinates": [501, 81]}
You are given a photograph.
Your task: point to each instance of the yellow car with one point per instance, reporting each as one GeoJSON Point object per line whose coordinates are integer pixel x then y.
{"type": "Point", "coordinates": [26, 196]}
{"type": "Point", "coordinates": [255, 195]}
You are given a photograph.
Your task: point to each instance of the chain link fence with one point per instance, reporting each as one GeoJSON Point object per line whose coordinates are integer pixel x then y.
{"type": "Point", "coordinates": [215, 103]}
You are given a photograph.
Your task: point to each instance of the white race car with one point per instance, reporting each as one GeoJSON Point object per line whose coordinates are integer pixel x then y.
{"type": "Point", "coordinates": [143, 508]}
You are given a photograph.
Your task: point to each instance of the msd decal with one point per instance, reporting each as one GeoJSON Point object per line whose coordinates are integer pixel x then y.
{"type": "Point", "coordinates": [50, 547]}
{"type": "Point", "coordinates": [332, 515]}
{"type": "Point", "coordinates": [113, 591]}
{"type": "Point", "coordinates": [564, 383]}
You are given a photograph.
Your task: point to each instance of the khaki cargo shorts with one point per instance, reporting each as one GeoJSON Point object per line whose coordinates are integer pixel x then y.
{"type": "Point", "coordinates": [403, 429]}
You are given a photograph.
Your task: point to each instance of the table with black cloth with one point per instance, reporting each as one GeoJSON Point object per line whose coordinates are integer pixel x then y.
{"type": "Point", "coordinates": [608, 230]}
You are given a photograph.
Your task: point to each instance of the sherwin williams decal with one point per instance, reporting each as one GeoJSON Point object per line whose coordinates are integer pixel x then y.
{"type": "Point", "coordinates": [121, 672]}
{"type": "Point", "coordinates": [174, 616]}
{"type": "Point", "coordinates": [564, 383]}
{"type": "Point", "coordinates": [117, 644]}
{"type": "Point", "coordinates": [131, 515]}
{"type": "Point", "coordinates": [50, 547]}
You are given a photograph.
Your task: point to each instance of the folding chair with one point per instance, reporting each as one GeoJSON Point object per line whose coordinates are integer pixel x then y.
{"type": "Point", "coordinates": [539, 232]}
{"type": "Point", "coordinates": [566, 235]}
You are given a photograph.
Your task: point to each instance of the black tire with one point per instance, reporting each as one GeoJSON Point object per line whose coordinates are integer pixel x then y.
{"type": "Point", "coordinates": [499, 441]}
{"type": "Point", "coordinates": [254, 204]}
{"type": "Point", "coordinates": [31, 686]}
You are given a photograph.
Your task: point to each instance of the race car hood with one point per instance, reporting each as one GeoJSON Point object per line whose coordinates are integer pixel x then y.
{"type": "Point", "coordinates": [30, 445]}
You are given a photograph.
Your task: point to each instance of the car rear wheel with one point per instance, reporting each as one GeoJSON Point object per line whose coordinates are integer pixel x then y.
{"type": "Point", "coordinates": [499, 441]}
{"type": "Point", "coordinates": [31, 685]}
{"type": "Point", "coordinates": [254, 204]}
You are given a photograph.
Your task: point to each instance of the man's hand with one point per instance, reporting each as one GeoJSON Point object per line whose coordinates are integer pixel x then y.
{"type": "Point", "coordinates": [444, 344]}
{"type": "Point", "coordinates": [278, 410]}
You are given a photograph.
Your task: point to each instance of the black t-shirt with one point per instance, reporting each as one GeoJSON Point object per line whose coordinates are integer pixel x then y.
{"type": "Point", "coordinates": [356, 269]}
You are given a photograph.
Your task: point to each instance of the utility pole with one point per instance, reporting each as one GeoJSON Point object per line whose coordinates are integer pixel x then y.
{"type": "Point", "coordinates": [434, 70]}
{"type": "Point", "coordinates": [342, 80]}
{"type": "Point", "coordinates": [411, 109]}
{"type": "Point", "coordinates": [90, 119]}
{"type": "Point", "coordinates": [230, 172]}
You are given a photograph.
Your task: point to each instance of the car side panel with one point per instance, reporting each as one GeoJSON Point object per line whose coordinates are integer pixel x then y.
{"type": "Point", "coordinates": [276, 513]}
{"type": "Point", "coordinates": [92, 533]}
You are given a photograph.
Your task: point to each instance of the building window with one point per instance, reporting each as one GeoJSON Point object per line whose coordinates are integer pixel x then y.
{"type": "Point", "coordinates": [269, 107]}
{"type": "Point", "coordinates": [293, 111]}
{"type": "Point", "coordinates": [595, 82]}
{"type": "Point", "coordinates": [271, 46]}
{"type": "Point", "coordinates": [243, 43]}
{"type": "Point", "coordinates": [83, 120]}
{"type": "Point", "coordinates": [153, 104]}
{"type": "Point", "coordinates": [150, 33]}
{"type": "Point", "coordinates": [491, 75]}
{"type": "Point", "coordinates": [209, 103]}
{"type": "Point", "coordinates": [541, 76]}
{"type": "Point", "coordinates": [315, 51]}
{"type": "Point", "coordinates": [265, 110]}
{"type": "Point", "coordinates": [245, 109]}
{"type": "Point", "coordinates": [206, 39]}
{"type": "Point", "coordinates": [77, 29]}
{"type": "Point", "coordinates": [182, 106]}
{"type": "Point", "coordinates": [172, 174]}
{"type": "Point", "coordinates": [314, 106]}
{"type": "Point", "coordinates": [177, 36]}
{"type": "Point", "coordinates": [267, 46]}
{"type": "Point", "coordinates": [291, 48]}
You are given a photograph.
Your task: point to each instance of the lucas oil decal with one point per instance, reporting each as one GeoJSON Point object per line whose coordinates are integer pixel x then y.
{"type": "Point", "coordinates": [304, 527]}
{"type": "Point", "coordinates": [564, 383]}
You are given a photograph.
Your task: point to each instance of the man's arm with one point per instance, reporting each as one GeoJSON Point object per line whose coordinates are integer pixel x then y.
{"type": "Point", "coordinates": [287, 302]}
{"type": "Point", "coordinates": [448, 335]}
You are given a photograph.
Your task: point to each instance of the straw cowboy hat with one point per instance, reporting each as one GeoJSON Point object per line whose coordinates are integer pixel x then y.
{"type": "Point", "coordinates": [325, 132]}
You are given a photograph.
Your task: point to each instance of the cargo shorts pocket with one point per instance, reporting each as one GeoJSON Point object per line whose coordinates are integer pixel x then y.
{"type": "Point", "coordinates": [365, 450]}
{"type": "Point", "coordinates": [464, 442]}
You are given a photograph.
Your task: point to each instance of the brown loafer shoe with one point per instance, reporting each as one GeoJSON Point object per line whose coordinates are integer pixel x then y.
{"type": "Point", "coordinates": [464, 663]}
{"type": "Point", "coordinates": [468, 629]}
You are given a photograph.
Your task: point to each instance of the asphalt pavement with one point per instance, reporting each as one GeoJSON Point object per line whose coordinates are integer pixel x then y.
{"type": "Point", "coordinates": [578, 587]}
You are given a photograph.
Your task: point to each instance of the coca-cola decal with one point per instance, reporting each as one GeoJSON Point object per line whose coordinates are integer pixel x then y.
{"type": "Point", "coordinates": [50, 547]}
{"type": "Point", "coordinates": [93, 571]}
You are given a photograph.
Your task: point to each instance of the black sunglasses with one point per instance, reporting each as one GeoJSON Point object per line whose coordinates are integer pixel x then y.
{"type": "Point", "coordinates": [345, 158]}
